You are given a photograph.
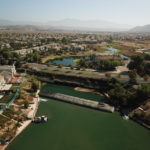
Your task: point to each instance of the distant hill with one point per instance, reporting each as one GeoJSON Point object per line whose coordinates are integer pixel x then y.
{"type": "Point", "coordinates": [143, 29]}
{"type": "Point", "coordinates": [17, 23]}
{"type": "Point", "coordinates": [66, 25]}
{"type": "Point", "coordinates": [19, 27]}
{"type": "Point", "coordinates": [92, 25]}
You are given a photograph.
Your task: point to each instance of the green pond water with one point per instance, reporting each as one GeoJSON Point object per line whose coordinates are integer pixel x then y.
{"type": "Point", "coordinates": [72, 127]}
{"type": "Point", "coordinates": [71, 61]}
{"type": "Point", "coordinates": [70, 91]}
{"type": "Point", "coordinates": [68, 61]}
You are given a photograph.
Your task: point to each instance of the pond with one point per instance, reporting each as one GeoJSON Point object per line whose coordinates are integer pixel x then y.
{"type": "Point", "coordinates": [71, 61]}
{"type": "Point", "coordinates": [72, 127]}
{"type": "Point", "coordinates": [112, 50]}
{"type": "Point", "coordinates": [68, 61]}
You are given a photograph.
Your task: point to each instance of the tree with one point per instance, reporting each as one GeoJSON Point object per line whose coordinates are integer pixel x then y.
{"type": "Point", "coordinates": [18, 64]}
{"type": "Point", "coordinates": [139, 64]}
{"type": "Point", "coordinates": [118, 95]}
{"type": "Point", "coordinates": [146, 77]}
{"type": "Point", "coordinates": [133, 76]}
{"type": "Point", "coordinates": [144, 92]}
{"type": "Point", "coordinates": [36, 57]}
{"type": "Point", "coordinates": [108, 75]}
{"type": "Point", "coordinates": [64, 40]}
{"type": "Point", "coordinates": [26, 104]}
{"type": "Point", "coordinates": [35, 85]}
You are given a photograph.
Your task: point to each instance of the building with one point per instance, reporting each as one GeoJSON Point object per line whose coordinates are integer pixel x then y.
{"type": "Point", "coordinates": [7, 75]}
{"type": "Point", "coordinates": [6, 70]}
{"type": "Point", "coordinates": [2, 80]}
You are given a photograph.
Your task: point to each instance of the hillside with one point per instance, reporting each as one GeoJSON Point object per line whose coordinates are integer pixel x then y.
{"type": "Point", "coordinates": [143, 29]}
{"type": "Point", "coordinates": [66, 24]}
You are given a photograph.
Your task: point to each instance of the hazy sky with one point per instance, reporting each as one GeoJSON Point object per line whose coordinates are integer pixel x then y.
{"type": "Point", "coordinates": [132, 12]}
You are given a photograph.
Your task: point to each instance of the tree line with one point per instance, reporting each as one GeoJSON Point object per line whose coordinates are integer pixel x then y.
{"type": "Point", "coordinates": [94, 62]}
{"type": "Point", "coordinates": [141, 64]}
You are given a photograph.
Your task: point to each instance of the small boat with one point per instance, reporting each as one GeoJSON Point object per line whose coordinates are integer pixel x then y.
{"type": "Point", "coordinates": [43, 100]}
{"type": "Point", "coordinates": [125, 117]}
{"type": "Point", "coordinates": [40, 119]}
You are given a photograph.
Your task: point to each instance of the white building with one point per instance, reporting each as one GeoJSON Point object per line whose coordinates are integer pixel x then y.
{"type": "Point", "coordinates": [6, 68]}
{"type": "Point", "coordinates": [2, 80]}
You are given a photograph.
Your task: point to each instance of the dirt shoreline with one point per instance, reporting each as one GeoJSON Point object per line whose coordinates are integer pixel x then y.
{"type": "Point", "coordinates": [87, 90]}
{"type": "Point", "coordinates": [84, 90]}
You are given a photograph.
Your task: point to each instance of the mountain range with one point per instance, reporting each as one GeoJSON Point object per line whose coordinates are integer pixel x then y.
{"type": "Point", "coordinates": [73, 25]}
{"type": "Point", "coordinates": [143, 29]}
{"type": "Point", "coordinates": [94, 25]}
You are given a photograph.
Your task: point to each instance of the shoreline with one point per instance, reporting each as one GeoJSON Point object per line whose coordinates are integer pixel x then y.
{"type": "Point", "coordinates": [141, 123]}
{"type": "Point", "coordinates": [25, 124]}
{"type": "Point", "coordinates": [86, 90]}
{"type": "Point", "coordinates": [53, 57]}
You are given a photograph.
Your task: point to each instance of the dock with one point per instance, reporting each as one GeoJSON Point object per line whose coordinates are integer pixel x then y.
{"type": "Point", "coordinates": [79, 101]}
